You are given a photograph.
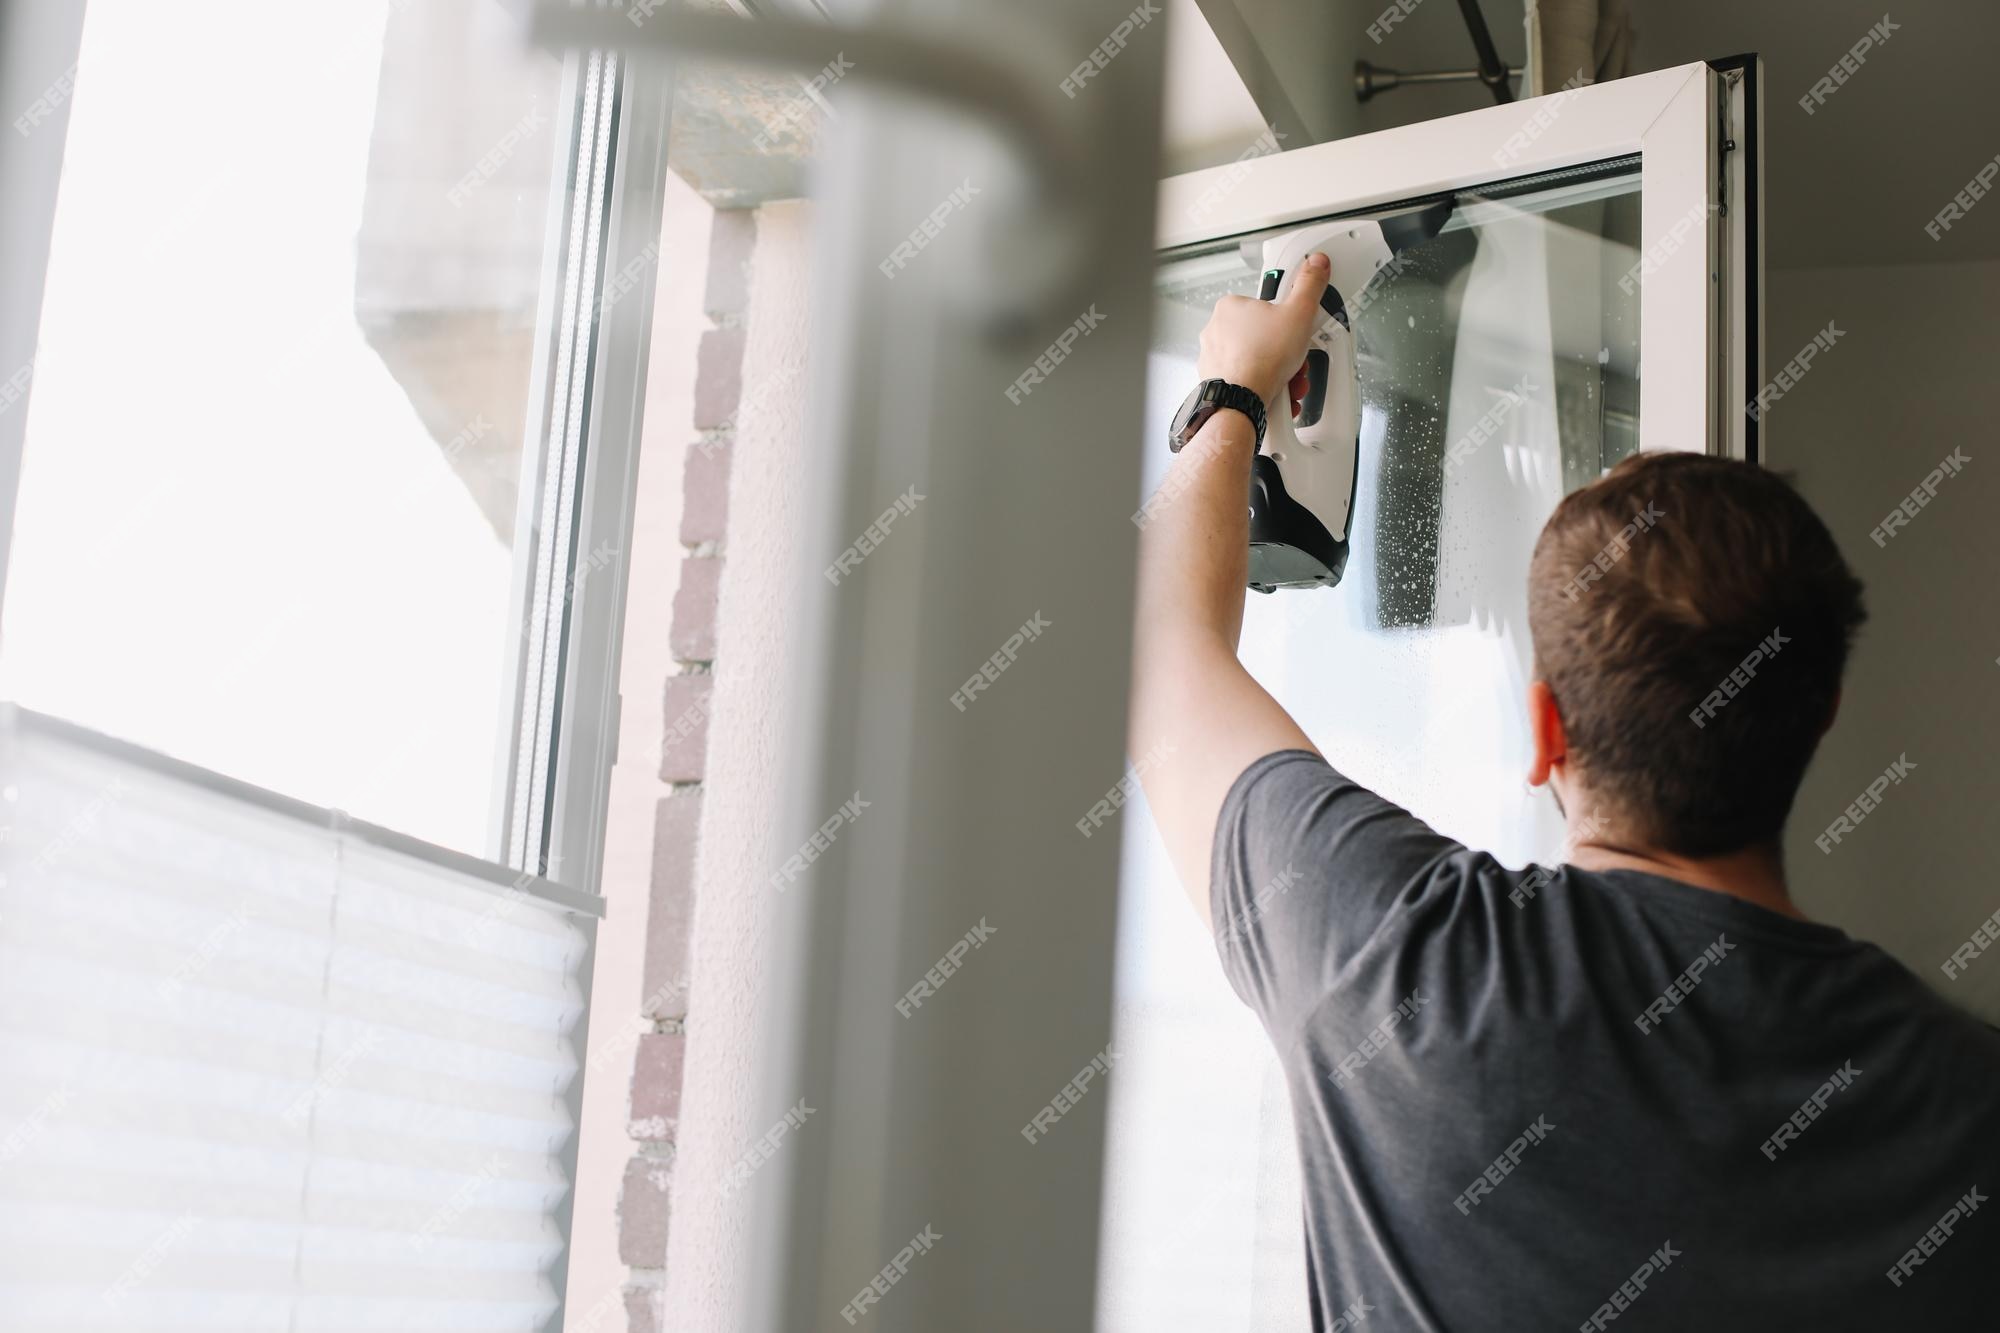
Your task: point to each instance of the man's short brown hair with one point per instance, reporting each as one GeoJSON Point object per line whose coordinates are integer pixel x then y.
{"type": "Point", "coordinates": [1692, 617]}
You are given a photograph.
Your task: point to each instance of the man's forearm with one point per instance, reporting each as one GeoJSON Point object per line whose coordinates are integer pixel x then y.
{"type": "Point", "coordinates": [1194, 554]}
{"type": "Point", "coordinates": [1198, 718]}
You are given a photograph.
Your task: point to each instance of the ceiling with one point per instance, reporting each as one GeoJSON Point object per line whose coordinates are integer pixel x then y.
{"type": "Point", "coordinates": [1853, 183]}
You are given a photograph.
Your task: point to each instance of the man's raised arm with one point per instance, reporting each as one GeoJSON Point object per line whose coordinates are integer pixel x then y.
{"type": "Point", "coordinates": [1198, 718]}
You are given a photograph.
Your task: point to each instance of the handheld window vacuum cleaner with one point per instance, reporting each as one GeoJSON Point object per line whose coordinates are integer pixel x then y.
{"type": "Point", "coordinates": [1302, 482]}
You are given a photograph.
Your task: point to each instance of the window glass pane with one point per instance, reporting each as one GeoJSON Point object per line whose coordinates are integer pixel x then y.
{"type": "Point", "coordinates": [1499, 369]}
{"type": "Point", "coordinates": [267, 519]}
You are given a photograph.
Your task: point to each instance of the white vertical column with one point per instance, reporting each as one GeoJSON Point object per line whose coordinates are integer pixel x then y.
{"type": "Point", "coordinates": [970, 811]}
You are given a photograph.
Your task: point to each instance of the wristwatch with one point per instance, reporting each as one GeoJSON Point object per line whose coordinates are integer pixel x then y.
{"type": "Point", "coordinates": [1209, 397]}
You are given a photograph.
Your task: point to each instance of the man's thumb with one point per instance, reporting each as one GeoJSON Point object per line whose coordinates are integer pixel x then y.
{"type": "Point", "coordinates": [1308, 286]}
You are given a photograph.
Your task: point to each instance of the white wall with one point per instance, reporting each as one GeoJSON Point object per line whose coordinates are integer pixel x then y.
{"type": "Point", "coordinates": [1912, 376]}
{"type": "Point", "coordinates": [707, 1240]}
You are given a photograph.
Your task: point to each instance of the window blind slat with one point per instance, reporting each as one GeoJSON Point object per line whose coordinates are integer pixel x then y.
{"type": "Point", "coordinates": [259, 1072]}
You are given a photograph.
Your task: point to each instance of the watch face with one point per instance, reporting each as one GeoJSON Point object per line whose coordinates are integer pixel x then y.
{"type": "Point", "coordinates": [1194, 410]}
{"type": "Point", "coordinates": [1204, 401]}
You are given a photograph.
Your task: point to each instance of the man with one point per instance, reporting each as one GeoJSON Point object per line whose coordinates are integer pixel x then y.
{"type": "Point", "coordinates": [1640, 1090]}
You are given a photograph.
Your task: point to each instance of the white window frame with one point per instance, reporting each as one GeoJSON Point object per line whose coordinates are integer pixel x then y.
{"type": "Point", "coordinates": [1694, 129]}
{"type": "Point", "coordinates": [573, 739]}
{"type": "Point", "coordinates": [559, 725]}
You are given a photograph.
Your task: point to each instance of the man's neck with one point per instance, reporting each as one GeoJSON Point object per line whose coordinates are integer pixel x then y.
{"type": "Point", "coordinates": [1754, 874]}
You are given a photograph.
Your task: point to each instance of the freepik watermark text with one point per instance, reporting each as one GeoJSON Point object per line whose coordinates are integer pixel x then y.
{"type": "Point", "coordinates": [892, 1273]}
{"type": "Point", "coordinates": [497, 156]}
{"type": "Point", "coordinates": [1121, 790]}
{"type": "Point", "coordinates": [765, 1148]}
{"type": "Point", "coordinates": [1659, 252]}
{"type": "Point", "coordinates": [1054, 354]}
{"type": "Point", "coordinates": [872, 536]}
{"type": "Point", "coordinates": [1683, 985]}
{"type": "Point", "coordinates": [1540, 877]}
{"type": "Point", "coordinates": [941, 971]}
{"type": "Point", "coordinates": [1261, 900]}
{"type": "Point", "coordinates": [1983, 937]}
{"type": "Point", "coordinates": [928, 230]}
{"type": "Point", "coordinates": [819, 843]}
{"type": "Point", "coordinates": [990, 670]}
{"type": "Point", "coordinates": [1390, 17]}
{"type": "Point", "coordinates": [1864, 804]}
{"type": "Point", "coordinates": [1932, 1240]}
{"type": "Point", "coordinates": [1631, 1289]}
{"type": "Point", "coordinates": [1961, 203]}
{"type": "Point", "coordinates": [1489, 421]}
{"type": "Point", "coordinates": [47, 104]}
{"type": "Point", "coordinates": [1614, 551]}
{"type": "Point", "coordinates": [798, 108]}
{"type": "Point", "coordinates": [1503, 1165]}
{"type": "Point", "coordinates": [1379, 1037]}
{"type": "Point", "coordinates": [1067, 1096]}
{"type": "Point", "coordinates": [1108, 50]}
{"type": "Point", "coordinates": [1236, 173]}
{"type": "Point", "coordinates": [1547, 109]}
{"type": "Point", "coordinates": [1794, 370]}
{"type": "Point", "coordinates": [1738, 679]}
{"type": "Point", "coordinates": [1847, 66]}
{"type": "Point", "coordinates": [1913, 504]}
{"type": "Point", "coordinates": [1811, 1109]}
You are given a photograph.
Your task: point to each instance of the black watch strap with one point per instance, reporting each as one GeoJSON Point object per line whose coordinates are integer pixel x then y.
{"type": "Point", "coordinates": [1208, 398]}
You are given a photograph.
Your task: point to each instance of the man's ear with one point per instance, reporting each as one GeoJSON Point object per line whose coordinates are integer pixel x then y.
{"type": "Point", "coordinates": [1545, 729]}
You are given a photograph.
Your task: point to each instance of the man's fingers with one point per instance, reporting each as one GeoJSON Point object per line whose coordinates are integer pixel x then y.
{"type": "Point", "coordinates": [1310, 284]}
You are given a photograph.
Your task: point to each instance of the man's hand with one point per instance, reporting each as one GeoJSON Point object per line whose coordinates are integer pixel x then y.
{"type": "Point", "coordinates": [1261, 345]}
{"type": "Point", "coordinates": [1198, 718]}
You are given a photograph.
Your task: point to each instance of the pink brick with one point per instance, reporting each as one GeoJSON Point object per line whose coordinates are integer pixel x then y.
{"type": "Point", "coordinates": [684, 734]}
{"type": "Point", "coordinates": [705, 495]}
{"type": "Point", "coordinates": [644, 1309]}
{"type": "Point", "coordinates": [670, 906]}
{"type": "Point", "coordinates": [718, 377]}
{"type": "Point", "coordinates": [642, 1213]}
{"type": "Point", "coordinates": [691, 637]}
{"type": "Point", "coordinates": [656, 1087]}
{"type": "Point", "coordinates": [732, 239]}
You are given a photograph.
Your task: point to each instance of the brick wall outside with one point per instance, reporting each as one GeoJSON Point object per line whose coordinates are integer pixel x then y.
{"type": "Point", "coordinates": [655, 1095]}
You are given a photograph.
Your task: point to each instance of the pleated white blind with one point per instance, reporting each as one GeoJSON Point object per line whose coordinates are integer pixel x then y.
{"type": "Point", "coordinates": [262, 1069]}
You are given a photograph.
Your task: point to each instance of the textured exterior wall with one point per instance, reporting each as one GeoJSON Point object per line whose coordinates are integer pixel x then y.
{"type": "Point", "coordinates": [597, 1274]}
{"type": "Point", "coordinates": [658, 1063]}
{"type": "Point", "coordinates": [674, 1030]}
{"type": "Point", "coordinates": [731, 939]}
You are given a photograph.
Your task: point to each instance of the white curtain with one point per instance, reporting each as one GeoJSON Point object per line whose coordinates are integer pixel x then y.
{"type": "Point", "coordinates": [1572, 38]}
{"type": "Point", "coordinates": [264, 1069]}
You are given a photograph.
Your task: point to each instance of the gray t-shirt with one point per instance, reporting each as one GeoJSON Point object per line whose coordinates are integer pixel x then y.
{"type": "Point", "coordinates": [1559, 1099]}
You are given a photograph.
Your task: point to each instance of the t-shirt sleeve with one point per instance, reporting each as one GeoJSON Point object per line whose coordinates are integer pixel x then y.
{"type": "Point", "coordinates": [1308, 866]}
